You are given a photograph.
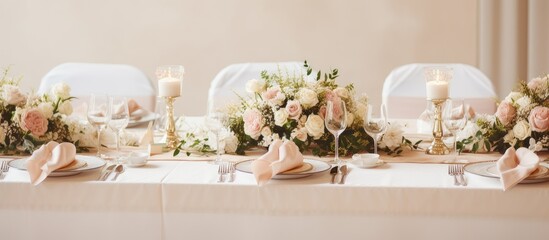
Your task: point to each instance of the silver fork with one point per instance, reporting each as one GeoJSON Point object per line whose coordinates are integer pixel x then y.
{"type": "Point", "coordinates": [231, 171]}
{"type": "Point", "coordinates": [461, 173]}
{"type": "Point", "coordinates": [4, 167]}
{"type": "Point", "coordinates": [452, 172]}
{"type": "Point", "coordinates": [222, 170]}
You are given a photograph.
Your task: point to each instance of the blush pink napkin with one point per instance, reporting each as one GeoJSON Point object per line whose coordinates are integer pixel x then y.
{"type": "Point", "coordinates": [282, 156]}
{"type": "Point", "coordinates": [48, 158]}
{"type": "Point", "coordinates": [515, 166]}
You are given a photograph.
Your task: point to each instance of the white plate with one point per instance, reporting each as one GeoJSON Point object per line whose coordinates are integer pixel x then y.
{"type": "Point", "coordinates": [359, 163]}
{"type": "Point", "coordinates": [92, 163]}
{"type": "Point", "coordinates": [150, 116]}
{"type": "Point", "coordinates": [318, 167]}
{"type": "Point", "coordinates": [488, 169]}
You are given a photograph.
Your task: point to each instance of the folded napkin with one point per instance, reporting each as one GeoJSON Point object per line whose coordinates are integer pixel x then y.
{"type": "Point", "coordinates": [282, 156]}
{"type": "Point", "coordinates": [148, 137]}
{"type": "Point", "coordinates": [48, 158]}
{"type": "Point", "coordinates": [514, 166]}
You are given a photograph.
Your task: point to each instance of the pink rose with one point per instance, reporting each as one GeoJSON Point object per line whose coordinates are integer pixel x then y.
{"type": "Point", "coordinates": [293, 107]}
{"type": "Point", "coordinates": [273, 96]}
{"type": "Point", "coordinates": [330, 95]}
{"type": "Point", "coordinates": [506, 113]}
{"type": "Point", "coordinates": [34, 121]}
{"type": "Point", "coordinates": [337, 111]}
{"type": "Point", "coordinates": [535, 83]}
{"type": "Point", "coordinates": [539, 119]}
{"type": "Point", "coordinates": [253, 123]}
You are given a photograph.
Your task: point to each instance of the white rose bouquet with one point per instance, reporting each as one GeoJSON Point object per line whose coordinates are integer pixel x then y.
{"type": "Point", "coordinates": [28, 121]}
{"type": "Point", "coordinates": [521, 120]}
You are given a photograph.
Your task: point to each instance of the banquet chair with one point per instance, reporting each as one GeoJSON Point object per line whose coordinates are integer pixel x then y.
{"type": "Point", "coordinates": [230, 82]}
{"type": "Point", "coordinates": [404, 92]}
{"type": "Point", "coordinates": [112, 79]}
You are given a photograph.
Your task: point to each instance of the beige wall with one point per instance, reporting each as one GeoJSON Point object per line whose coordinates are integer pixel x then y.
{"type": "Point", "coordinates": [364, 39]}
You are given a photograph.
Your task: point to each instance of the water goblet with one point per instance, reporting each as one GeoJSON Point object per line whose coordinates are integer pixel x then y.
{"type": "Point", "coordinates": [336, 122]}
{"type": "Point", "coordinates": [454, 117]}
{"type": "Point", "coordinates": [215, 122]}
{"type": "Point", "coordinates": [120, 118]}
{"type": "Point", "coordinates": [375, 123]}
{"type": "Point", "coordinates": [99, 115]}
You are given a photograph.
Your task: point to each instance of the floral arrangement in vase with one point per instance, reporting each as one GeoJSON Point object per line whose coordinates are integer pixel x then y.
{"type": "Point", "coordinates": [28, 120]}
{"type": "Point", "coordinates": [521, 120]}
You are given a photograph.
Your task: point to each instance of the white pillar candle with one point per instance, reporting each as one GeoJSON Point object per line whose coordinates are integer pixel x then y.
{"type": "Point", "coordinates": [437, 90]}
{"type": "Point", "coordinates": [169, 87]}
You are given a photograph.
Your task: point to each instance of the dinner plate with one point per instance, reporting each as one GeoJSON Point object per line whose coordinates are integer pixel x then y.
{"type": "Point", "coordinates": [150, 116]}
{"type": "Point", "coordinates": [92, 163]}
{"type": "Point", "coordinates": [489, 169]}
{"type": "Point", "coordinates": [317, 167]}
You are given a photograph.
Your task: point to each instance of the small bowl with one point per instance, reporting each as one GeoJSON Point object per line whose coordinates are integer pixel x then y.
{"type": "Point", "coordinates": [366, 159]}
{"type": "Point", "coordinates": [137, 159]}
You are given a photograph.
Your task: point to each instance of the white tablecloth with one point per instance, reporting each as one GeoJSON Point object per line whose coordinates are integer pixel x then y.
{"type": "Point", "coordinates": [182, 200]}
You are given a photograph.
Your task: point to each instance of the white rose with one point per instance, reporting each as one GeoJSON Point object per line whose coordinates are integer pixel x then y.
{"type": "Point", "coordinates": [524, 102]}
{"type": "Point", "coordinates": [46, 109]}
{"type": "Point", "coordinates": [510, 138]}
{"type": "Point", "coordinates": [280, 117]}
{"type": "Point", "coordinates": [255, 86]}
{"type": "Point", "coordinates": [65, 108]}
{"type": "Point", "coordinates": [12, 95]}
{"type": "Point", "coordinates": [350, 119]}
{"type": "Point", "coordinates": [61, 90]}
{"type": "Point", "coordinates": [393, 136]}
{"type": "Point", "coordinates": [513, 96]}
{"type": "Point", "coordinates": [315, 126]}
{"type": "Point", "coordinates": [307, 97]}
{"type": "Point", "coordinates": [342, 92]}
{"type": "Point", "coordinates": [266, 131]}
{"type": "Point", "coordinates": [360, 111]}
{"type": "Point", "coordinates": [535, 146]}
{"type": "Point", "coordinates": [300, 134]}
{"type": "Point", "coordinates": [231, 143]}
{"type": "Point", "coordinates": [521, 130]}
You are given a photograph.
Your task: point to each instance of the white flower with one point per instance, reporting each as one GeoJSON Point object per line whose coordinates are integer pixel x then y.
{"type": "Point", "coordinates": [350, 118]}
{"type": "Point", "coordinates": [510, 138]}
{"type": "Point", "coordinates": [342, 92]}
{"type": "Point", "coordinates": [470, 130]}
{"type": "Point", "coordinates": [315, 126]}
{"type": "Point", "coordinates": [360, 111]}
{"type": "Point", "coordinates": [307, 97]}
{"type": "Point", "coordinates": [535, 146]}
{"type": "Point", "coordinates": [65, 108]}
{"type": "Point", "coordinates": [521, 130]}
{"type": "Point", "coordinates": [46, 109]}
{"type": "Point", "coordinates": [281, 117]}
{"type": "Point", "coordinates": [299, 133]}
{"type": "Point", "coordinates": [393, 136]}
{"type": "Point", "coordinates": [61, 90]}
{"type": "Point", "coordinates": [255, 86]}
{"type": "Point", "coordinates": [2, 134]}
{"type": "Point", "coordinates": [266, 131]}
{"type": "Point", "coordinates": [12, 95]}
{"type": "Point", "coordinates": [524, 102]}
{"type": "Point", "coordinates": [513, 97]}
{"type": "Point", "coordinates": [231, 143]}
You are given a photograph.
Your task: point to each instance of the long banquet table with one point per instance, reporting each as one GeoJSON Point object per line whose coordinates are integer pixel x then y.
{"type": "Point", "coordinates": [182, 200]}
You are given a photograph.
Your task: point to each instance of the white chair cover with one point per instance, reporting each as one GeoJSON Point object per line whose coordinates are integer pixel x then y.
{"type": "Point", "coordinates": [405, 96]}
{"type": "Point", "coordinates": [112, 79]}
{"type": "Point", "coordinates": [230, 82]}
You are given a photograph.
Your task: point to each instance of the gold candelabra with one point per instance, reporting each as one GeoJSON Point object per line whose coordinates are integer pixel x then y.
{"type": "Point", "coordinates": [437, 146]}
{"type": "Point", "coordinates": [172, 139]}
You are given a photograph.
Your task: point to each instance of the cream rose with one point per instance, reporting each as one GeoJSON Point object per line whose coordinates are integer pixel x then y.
{"type": "Point", "coordinates": [360, 111]}
{"type": "Point", "coordinates": [342, 92]}
{"type": "Point", "coordinates": [255, 86]}
{"type": "Point", "coordinates": [521, 130]}
{"type": "Point", "coordinates": [510, 138]}
{"type": "Point", "coordinates": [512, 97]}
{"type": "Point", "coordinates": [299, 134]}
{"type": "Point", "coordinates": [231, 143]}
{"type": "Point", "coordinates": [34, 121]}
{"type": "Point", "coordinates": [61, 90]}
{"type": "Point", "coordinates": [315, 126]}
{"type": "Point", "coordinates": [281, 117]}
{"type": "Point", "coordinates": [307, 97]}
{"type": "Point", "coordinates": [293, 108]}
{"type": "Point", "coordinates": [393, 136]}
{"type": "Point", "coordinates": [46, 109]}
{"type": "Point", "coordinates": [506, 113]}
{"type": "Point", "coordinates": [266, 131]}
{"type": "Point", "coordinates": [350, 119]}
{"type": "Point", "coordinates": [12, 95]}
{"type": "Point", "coordinates": [65, 108]}
{"type": "Point", "coordinates": [539, 119]}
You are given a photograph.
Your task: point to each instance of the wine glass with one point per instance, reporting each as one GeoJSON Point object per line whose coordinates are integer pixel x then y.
{"type": "Point", "coordinates": [375, 123]}
{"type": "Point", "coordinates": [99, 115]}
{"type": "Point", "coordinates": [454, 117]}
{"type": "Point", "coordinates": [120, 117]}
{"type": "Point", "coordinates": [215, 122]}
{"type": "Point", "coordinates": [336, 122]}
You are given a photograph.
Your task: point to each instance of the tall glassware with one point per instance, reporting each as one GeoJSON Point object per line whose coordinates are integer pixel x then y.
{"type": "Point", "coordinates": [375, 123]}
{"type": "Point", "coordinates": [454, 118]}
{"type": "Point", "coordinates": [215, 122]}
{"type": "Point", "coordinates": [120, 117]}
{"type": "Point", "coordinates": [99, 115]}
{"type": "Point", "coordinates": [336, 122]}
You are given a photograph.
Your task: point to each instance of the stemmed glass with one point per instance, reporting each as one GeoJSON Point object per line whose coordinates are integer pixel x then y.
{"type": "Point", "coordinates": [375, 123]}
{"type": "Point", "coordinates": [215, 122]}
{"type": "Point", "coordinates": [454, 118]}
{"type": "Point", "coordinates": [120, 117]}
{"type": "Point", "coordinates": [336, 122]}
{"type": "Point", "coordinates": [99, 115]}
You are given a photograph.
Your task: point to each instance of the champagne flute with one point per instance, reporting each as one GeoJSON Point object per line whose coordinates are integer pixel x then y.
{"type": "Point", "coordinates": [120, 118]}
{"type": "Point", "coordinates": [215, 122]}
{"type": "Point", "coordinates": [336, 122]}
{"type": "Point", "coordinates": [374, 124]}
{"type": "Point", "coordinates": [99, 115]}
{"type": "Point", "coordinates": [454, 118]}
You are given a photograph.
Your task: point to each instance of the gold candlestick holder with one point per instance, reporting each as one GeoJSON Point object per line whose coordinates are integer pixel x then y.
{"type": "Point", "coordinates": [172, 139]}
{"type": "Point", "coordinates": [437, 146]}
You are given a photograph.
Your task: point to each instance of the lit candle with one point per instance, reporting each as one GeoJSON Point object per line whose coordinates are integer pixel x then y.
{"type": "Point", "coordinates": [437, 89]}
{"type": "Point", "coordinates": [169, 87]}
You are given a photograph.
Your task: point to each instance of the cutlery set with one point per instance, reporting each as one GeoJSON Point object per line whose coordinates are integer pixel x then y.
{"type": "Point", "coordinates": [456, 171]}
{"type": "Point", "coordinates": [226, 168]}
{"type": "Point", "coordinates": [335, 171]}
{"type": "Point", "coordinates": [117, 169]}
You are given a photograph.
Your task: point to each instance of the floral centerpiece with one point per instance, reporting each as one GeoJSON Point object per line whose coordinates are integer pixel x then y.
{"type": "Point", "coordinates": [521, 120]}
{"type": "Point", "coordinates": [293, 106]}
{"type": "Point", "coordinates": [27, 120]}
